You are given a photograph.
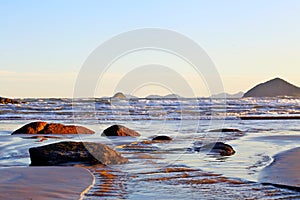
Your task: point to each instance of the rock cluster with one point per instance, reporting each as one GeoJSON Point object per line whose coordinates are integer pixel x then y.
{"type": "Point", "coordinates": [70, 152]}
{"type": "Point", "coordinates": [7, 101]}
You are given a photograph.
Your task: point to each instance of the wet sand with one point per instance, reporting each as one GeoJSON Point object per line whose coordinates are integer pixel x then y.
{"type": "Point", "coordinates": [284, 170]}
{"type": "Point", "coordinates": [44, 183]}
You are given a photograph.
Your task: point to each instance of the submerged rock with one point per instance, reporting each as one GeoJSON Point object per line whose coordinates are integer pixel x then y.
{"type": "Point", "coordinates": [161, 138]}
{"type": "Point", "coordinates": [53, 128]}
{"type": "Point", "coordinates": [225, 130]}
{"type": "Point", "coordinates": [218, 147]}
{"type": "Point", "coordinates": [118, 130]}
{"type": "Point", "coordinates": [42, 138]}
{"type": "Point", "coordinates": [74, 152]}
{"type": "Point", "coordinates": [7, 100]}
{"type": "Point", "coordinates": [143, 146]}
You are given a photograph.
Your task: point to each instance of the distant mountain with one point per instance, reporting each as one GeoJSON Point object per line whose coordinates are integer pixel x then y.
{"type": "Point", "coordinates": [119, 95]}
{"type": "Point", "coordinates": [169, 96]}
{"type": "Point", "coordinates": [228, 96]}
{"type": "Point", "coordinates": [153, 96]}
{"type": "Point", "coordinates": [172, 96]}
{"type": "Point", "coordinates": [273, 88]}
{"type": "Point", "coordinates": [129, 96]}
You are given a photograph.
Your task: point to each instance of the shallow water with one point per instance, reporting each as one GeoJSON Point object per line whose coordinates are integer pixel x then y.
{"type": "Point", "coordinates": [167, 170]}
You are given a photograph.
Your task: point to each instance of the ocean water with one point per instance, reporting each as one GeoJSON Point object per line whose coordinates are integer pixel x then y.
{"type": "Point", "coordinates": [167, 170]}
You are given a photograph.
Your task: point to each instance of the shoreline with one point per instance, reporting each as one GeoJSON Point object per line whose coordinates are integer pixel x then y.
{"type": "Point", "coordinates": [284, 171]}
{"type": "Point", "coordinates": [45, 182]}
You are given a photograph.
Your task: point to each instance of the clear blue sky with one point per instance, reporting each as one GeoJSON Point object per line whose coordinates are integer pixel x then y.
{"type": "Point", "coordinates": [43, 44]}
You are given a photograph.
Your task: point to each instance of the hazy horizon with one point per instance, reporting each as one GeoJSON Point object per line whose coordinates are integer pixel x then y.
{"type": "Point", "coordinates": [45, 44]}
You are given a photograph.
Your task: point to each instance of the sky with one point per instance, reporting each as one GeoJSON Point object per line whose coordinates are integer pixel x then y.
{"type": "Point", "coordinates": [44, 44]}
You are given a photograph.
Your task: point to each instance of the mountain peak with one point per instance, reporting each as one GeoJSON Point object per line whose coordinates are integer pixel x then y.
{"type": "Point", "coordinates": [277, 79]}
{"type": "Point", "coordinates": [273, 88]}
{"type": "Point", "coordinates": [119, 95]}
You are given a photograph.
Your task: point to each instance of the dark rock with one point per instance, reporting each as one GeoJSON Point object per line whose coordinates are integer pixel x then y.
{"type": "Point", "coordinates": [225, 130]}
{"type": "Point", "coordinates": [272, 117]}
{"type": "Point", "coordinates": [218, 147]}
{"type": "Point", "coordinates": [273, 88]}
{"type": "Point", "coordinates": [45, 128]}
{"type": "Point", "coordinates": [74, 152]}
{"type": "Point", "coordinates": [7, 101]}
{"type": "Point", "coordinates": [118, 130]}
{"type": "Point", "coordinates": [161, 138]}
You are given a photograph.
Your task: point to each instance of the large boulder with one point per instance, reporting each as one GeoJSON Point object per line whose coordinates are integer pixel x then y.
{"type": "Point", "coordinates": [7, 100]}
{"type": "Point", "coordinates": [74, 152]}
{"type": "Point", "coordinates": [52, 128]}
{"type": "Point", "coordinates": [118, 130]}
{"type": "Point", "coordinates": [218, 147]}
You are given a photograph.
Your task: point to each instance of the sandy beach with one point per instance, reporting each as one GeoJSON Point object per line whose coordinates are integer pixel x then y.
{"type": "Point", "coordinates": [172, 169]}
{"type": "Point", "coordinates": [284, 170]}
{"type": "Point", "coordinates": [44, 183]}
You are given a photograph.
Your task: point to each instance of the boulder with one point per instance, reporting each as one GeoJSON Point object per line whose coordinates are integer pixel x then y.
{"type": "Point", "coordinates": [74, 152]}
{"type": "Point", "coordinates": [118, 130]}
{"type": "Point", "coordinates": [218, 147]}
{"type": "Point", "coordinates": [52, 128]}
{"type": "Point", "coordinates": [161, 138]}
{"type": "Point", "coordinates": [7, 100]}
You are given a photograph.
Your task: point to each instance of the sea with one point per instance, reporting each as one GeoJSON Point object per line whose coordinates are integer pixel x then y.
{"type": "Point", "coordinates": [173, 169]}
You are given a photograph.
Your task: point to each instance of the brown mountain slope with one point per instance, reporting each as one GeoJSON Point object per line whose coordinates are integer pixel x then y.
{"type": "Point", "coordinates": [273, 88]}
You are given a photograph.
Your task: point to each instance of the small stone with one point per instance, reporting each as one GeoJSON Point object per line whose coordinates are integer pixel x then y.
{"type": "Point", "coordinates": [162, 138]}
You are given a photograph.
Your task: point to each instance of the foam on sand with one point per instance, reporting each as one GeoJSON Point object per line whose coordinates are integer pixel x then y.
{"type": "Point", "coordinates": [45, 182]}
{"type": "Point", "coordinates": [284, 170]}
